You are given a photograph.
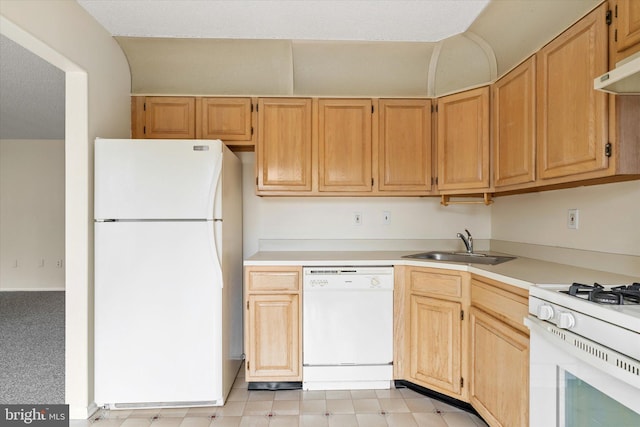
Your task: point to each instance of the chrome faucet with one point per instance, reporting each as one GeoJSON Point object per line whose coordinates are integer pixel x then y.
{"type": "Point", "coordinates": [468, 241]}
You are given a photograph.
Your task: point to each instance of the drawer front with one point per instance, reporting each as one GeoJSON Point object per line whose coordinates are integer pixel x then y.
{"type": "Point", "coordinates": [436, 284]}
{"type": "Point", "coordinates": [510, 307]}
{"type": "Point", "coordinates": [270, 280]}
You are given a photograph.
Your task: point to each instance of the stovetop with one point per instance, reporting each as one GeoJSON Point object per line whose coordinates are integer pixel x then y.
{"type": "Point", "coordinates": [626, 315]}
{"type": "Point", "coordinates": [597, 293]}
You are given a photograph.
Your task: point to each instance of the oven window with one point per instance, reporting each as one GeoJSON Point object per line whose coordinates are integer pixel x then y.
{"type": "Point", "coordinates": [586, 406]}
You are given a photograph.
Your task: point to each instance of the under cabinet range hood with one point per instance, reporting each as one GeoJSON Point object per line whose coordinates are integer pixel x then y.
{"type": "Point", "coordinates": [623, 80]}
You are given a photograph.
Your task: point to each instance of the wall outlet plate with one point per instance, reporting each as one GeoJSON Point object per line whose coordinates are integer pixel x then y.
{"type": "Point", "coordinates": [572, 219]}
{"type": "Point", "coordinates": [357, 218]}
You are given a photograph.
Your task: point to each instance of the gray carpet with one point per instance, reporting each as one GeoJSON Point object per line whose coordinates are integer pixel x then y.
{"type": "Point", "coordinates": [32, 347]}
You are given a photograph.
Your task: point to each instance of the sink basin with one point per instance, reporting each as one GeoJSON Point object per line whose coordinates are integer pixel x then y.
{"type": "Point", "coordinates": [474, 258]}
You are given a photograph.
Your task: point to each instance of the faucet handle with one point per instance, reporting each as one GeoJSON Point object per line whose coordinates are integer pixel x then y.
{"type": "Point", "coordinates": [468, 233]}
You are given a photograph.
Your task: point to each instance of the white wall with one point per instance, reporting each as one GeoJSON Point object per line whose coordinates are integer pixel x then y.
{"type": "Point", "coordinates": [97, 103]}
{"type": "Point", "coordinates": [609, 218]}
{"type": "Point", "coordinates": [31, 214]}
{"type": "Point", "coordinates": [321, 218]}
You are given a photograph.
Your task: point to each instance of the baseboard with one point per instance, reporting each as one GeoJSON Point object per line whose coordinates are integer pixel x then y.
{"type": "Point", "coordinates": [280, 385]}
{"type": "Point", "coordinates": [32, 289]}
{"type": "Point", "coordinates": [79, 412]}
{"type": "Point", "coordinates": [438, 396]}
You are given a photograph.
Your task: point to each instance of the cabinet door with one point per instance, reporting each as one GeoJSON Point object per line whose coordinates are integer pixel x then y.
{"type": "Point", "coordinates": [514, 126]}
{"type": "Point", "coordinates": [404, 156]}
{"type": "Point", "coordinates": [435, 334]}
{"type": "Point", "coordinates": [499, 371]}
{"type": "Point", "coordinates": [344, 145]}
{"type": "Point", "coordinates": [284, 144]}
{"type": "Point", "coordinates": [628, 28]}
{"type": "Point", "coordinates": [228, 119]}
{"type": "Point", "coordinates": [170, 117]}
{"type": "Point", "coordinates": [463, 140]}
{"type": "Point", "coordinates": [572, 116]}
{"type": "Point", "coordinates": [273, 352]}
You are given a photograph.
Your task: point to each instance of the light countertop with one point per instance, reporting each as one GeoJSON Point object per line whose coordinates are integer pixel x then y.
{"type": "Point", "coordinates": [522, 272]}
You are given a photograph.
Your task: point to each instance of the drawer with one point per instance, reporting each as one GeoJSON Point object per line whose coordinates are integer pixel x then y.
{"type": "Point", "coordinates": [505, 302]}
{"type": "Point", "coordinates": [273, 279]}
{"type": "Point", "coordinates": [435, 284]}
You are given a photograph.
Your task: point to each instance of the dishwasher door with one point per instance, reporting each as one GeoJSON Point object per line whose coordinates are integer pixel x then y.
{"type": "Point", "coordinates": [347, 322]}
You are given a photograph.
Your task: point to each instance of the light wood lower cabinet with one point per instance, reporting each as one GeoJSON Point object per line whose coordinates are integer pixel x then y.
{"type": "Point", "coordinates": [436, 332]}
{"type": "Point", "coordinates": [273, 330]}
{"type": "Point", "coordinates": [435, 335]}
{"type": "Point", "coordinates": [499, 353]}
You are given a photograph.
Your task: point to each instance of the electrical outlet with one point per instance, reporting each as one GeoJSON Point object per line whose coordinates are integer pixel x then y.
{"type": "Point", "coordinates": [572, 219]}
{"type": "Point", "coordinates": [59, 263]}
{"type": "Point", "coordinates": [386, 218]}
{"type": "Point", "coordinates": [357, 218]}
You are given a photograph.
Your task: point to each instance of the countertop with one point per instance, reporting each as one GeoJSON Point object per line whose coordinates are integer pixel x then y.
{"type": "Point", "coordinates": [522, 272]}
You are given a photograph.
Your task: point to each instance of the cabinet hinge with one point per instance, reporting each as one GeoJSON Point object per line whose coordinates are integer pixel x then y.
{"type": "Point", "coordinates": [372, 109]}
{"type": "Point", "coordinates": [252, 108]}
{"type": "Point", "coordinates": [256, 180]}
{"type": "Point", "coordinates": [247, 305]}
{"type": "Point", "coordinates": [609, 17]}
{"type": "Point", "coordinates": [461, 314]}
{"type": "Point", "coordinates": [616, 14]}
{"type": "Point", "coordinates": [372, 182]}
{"type": "Point", "coordinates": [436, 180]}
{"type": "Point", "coordinates": [607, 149]}
{"type": "Point", "coordinates": [615, 35]}
{"type": "Point", "coordinates": [144, 129]}
{"type": "Point", "coordinates": [144, 107]}
{"type": "Point", "coordinates": [251, 130]}
{"type": "Point", "coordinates": [436, 108]}
{"type": "Point", "coordinates": [248, 366]}
{"type": "Point", "coordinates": [461, 382]}
{"type": "Point", "coordinates": [257, 107]}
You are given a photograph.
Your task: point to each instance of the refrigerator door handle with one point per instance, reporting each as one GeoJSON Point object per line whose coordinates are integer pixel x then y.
{"type": "Point", "coordinates": [216, 245]}
{"type": "Point", "coordinates": [216, 190]}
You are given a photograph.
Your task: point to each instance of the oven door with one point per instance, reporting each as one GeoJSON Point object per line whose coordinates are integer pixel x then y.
{"type": "Point", "coordinates": [576, 383]}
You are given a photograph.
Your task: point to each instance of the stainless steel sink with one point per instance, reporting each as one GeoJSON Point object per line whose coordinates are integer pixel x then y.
{"type": "Point", "coordinates": [473, 258]}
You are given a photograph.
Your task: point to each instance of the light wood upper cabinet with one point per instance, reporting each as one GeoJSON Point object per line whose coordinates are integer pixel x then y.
{"type": "Point", "coordinates": [273, 330]}
{"type": "Point", "coordinates": [499, 353]}
{"type": "Point", "coordinates": [463, 141]}
{"type": "Point", "coordinates": [283, 152]}
{"type": "Point", "coordinates": [572, 116]}
{"type": "Point", "coordinates": [344, 145]}
{"type": "Point", "coordinates": [164, 117]}
{"type": "Point", "coordinates": [625, 29]}
{"type": "Point", "coordinates": [228, 119]}
{"type": "Point", "coordinates": [514, 126]}
{"type": "Point", "coordinates": [404, 155]}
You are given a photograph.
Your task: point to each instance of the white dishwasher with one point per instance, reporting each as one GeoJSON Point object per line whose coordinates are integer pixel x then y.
{"type": "Point", "coordinates": [347, 329]}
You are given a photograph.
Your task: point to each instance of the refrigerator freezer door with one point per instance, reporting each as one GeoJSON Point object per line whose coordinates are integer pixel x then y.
{"type": "Point", "coordinates": [156, 179]}
{"type": "Point", "coordinates": [158, 311]}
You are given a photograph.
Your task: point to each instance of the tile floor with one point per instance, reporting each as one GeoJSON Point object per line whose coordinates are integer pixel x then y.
{"type": "Point", "coordinates": [286, 408]}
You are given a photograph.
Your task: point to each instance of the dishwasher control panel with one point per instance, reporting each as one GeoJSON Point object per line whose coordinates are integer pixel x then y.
{"type": "Point", "coordinates": [315, 278]}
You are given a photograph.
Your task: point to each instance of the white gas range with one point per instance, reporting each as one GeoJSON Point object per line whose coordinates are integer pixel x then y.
{"type": "Point", "coordinates": [584, 355]}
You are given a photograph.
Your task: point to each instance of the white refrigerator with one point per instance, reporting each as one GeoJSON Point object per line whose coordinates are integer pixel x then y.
{"type": "Point", "coordinates": [168, 272]}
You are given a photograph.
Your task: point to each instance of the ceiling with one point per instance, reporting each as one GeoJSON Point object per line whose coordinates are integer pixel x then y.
{"type": "Point", "coordinates": [372, 20]}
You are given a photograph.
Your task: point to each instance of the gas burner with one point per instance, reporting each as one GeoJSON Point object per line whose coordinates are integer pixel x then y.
{"type": "Point", "coordinates": [618, 295]}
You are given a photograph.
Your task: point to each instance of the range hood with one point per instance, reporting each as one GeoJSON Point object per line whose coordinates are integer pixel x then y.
{"type": "Point", "coordinates": [623, 80]}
